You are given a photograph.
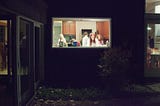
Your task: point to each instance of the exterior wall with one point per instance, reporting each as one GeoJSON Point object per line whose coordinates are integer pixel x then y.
{"type": "Point", "coordinates": [36, 13]}
{"type": "Point", "coordinates": [34, 9]}
{"type": "Point", "coordinates": [78, 67]}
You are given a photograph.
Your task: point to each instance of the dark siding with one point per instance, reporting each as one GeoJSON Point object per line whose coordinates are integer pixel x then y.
{"type": "Point", "coordinates": [33, 9]}
{"type": "Point", "coordinates": [78, 67]}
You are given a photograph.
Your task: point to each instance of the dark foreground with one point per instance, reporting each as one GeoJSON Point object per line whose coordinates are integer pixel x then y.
{"type": "Point", "coordinates": [141, 101]}
{"type": "Point", "coordinates": [134, 100]}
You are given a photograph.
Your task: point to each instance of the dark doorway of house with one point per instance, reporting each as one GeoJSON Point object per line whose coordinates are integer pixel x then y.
{"type": "Point", "coordinates": [6, 88]}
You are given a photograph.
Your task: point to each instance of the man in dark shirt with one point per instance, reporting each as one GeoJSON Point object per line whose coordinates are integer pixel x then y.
{"type": "Point", "coordinates": [151, 42]}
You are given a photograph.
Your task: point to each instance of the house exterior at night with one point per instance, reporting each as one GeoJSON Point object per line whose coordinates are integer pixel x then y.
{"type": "Point", "coordinates": [22, 49]}
{"type": "Point", "coordinates": [27, 55]}
{"type": "Point", "coordinates": [78, 66]}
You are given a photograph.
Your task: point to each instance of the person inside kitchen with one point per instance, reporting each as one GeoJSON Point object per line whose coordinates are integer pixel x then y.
{"type": "Point", "coordinates": [61, 41]}
{"type": "Point", "coordinates": [99, 39]}
{"type": "Point", "coordinates": [85, 39]}
{"type": "Point", "coordinates": [92, 40]}
{"type": "Point", "coordinates": [151, 41]}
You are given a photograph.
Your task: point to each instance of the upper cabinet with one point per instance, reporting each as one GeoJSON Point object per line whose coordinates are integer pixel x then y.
{"type": "Point", "coordinates": [99, 27]}
{"type": "Point", "coordinates": [103, 28]}
{"type": "Point", "coordinates": [69, 27]}
{"type": "Point", "coordinates": [106, 30]}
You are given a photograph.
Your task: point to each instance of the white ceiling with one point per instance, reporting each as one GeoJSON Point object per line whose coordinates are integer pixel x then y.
{"type": "Point", "coordinates": [151, 1]}
{"type": "Point", "coordinates": [81, 19]}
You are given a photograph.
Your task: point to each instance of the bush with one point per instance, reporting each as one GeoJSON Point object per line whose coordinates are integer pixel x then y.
{"type": "Point", "coordinates": [114, 67]}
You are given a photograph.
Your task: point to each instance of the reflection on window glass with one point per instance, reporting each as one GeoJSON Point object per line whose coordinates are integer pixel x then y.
{"type": "Point", "coordinates": [81, 32]}
{"type": "Point", "coordinates": [153, 46]}
{"type": "Point", "coordinates": [37, 51]}
{"type": "Point", "coordinates": [24, 54]}
{"type": "Point", "coordinates": [153, 6]}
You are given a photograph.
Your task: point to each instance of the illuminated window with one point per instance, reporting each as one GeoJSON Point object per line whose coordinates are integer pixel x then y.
{"type": "Point", "coordinates": [153, 6]}
{"type": "Point", "coordinates": [157, 9]}
{"type": "Point", "coordinates": [152, 39]}
{"type": "Point", "coordinates": [3, 47]}
{"type": "Point", "coordinates": [81, 32]}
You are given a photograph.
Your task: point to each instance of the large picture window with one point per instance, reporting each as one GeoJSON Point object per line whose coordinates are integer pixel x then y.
{"type": "Point", "coordinates": [81, 32]}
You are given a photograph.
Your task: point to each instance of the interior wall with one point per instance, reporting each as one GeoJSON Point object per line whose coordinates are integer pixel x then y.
{"type": "Point", "coordinates": [84, 25]}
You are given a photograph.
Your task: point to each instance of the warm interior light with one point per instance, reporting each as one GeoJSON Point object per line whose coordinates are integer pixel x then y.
{"type": "Point", "coordinates": [157, 9]}
{"type": "Point", "coordinates": [149, 28]}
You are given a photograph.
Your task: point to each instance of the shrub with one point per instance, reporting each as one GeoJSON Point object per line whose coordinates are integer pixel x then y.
{"type": "Point", "coordinates": [114, 67]}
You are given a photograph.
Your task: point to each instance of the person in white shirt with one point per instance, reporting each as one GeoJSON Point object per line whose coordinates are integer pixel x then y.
{"type": "Point", "coordinates": [85, 39]}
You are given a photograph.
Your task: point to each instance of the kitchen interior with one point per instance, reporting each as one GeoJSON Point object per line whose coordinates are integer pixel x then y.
{"type": "Point", "coordinates": [153, 46]}
{"type": "Point", "coordinates": [153, 36]}
{"type": "Point", "coordinates": [73, 29]}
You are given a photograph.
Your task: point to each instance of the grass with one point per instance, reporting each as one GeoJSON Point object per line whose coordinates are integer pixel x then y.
{"type": "Point", "coordinates": [70, 94]}
{"type": "Point", "coordinates": [94, 93]}
{"type": "Point", "coordinates": [140, 90]}
{"type": "Point", "coordinates": [90, 96]}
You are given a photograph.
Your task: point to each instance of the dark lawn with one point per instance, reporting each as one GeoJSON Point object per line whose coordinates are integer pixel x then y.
{"type": "Point", "coordinates": [133, 95]}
